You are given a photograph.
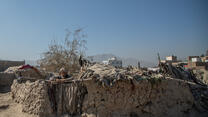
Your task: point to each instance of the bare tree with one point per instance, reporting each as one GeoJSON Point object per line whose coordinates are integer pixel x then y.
{"type": "Point", "coordinates": [66, 54]}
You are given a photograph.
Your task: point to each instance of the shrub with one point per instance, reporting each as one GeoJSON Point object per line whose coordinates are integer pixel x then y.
{"type": "Point", "coordinates": [65, 54]}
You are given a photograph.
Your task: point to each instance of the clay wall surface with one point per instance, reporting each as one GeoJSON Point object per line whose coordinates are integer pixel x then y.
{"type": "Point", "coordinates": [126, 98]}
{"type": "Point", "coordinates": [6, 79]}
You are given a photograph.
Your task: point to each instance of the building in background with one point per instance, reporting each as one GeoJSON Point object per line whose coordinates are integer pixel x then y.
{"type": "Point", "coordinates": [171, 59]}
{"type": "Point", "coordinates": [196, 62]}
{"type": "Point", "coordinates": [114, 62]}
{"type": "Point", "coordinates": [204, 59]}
{"type": "Point", "coordinates": [199, 65]}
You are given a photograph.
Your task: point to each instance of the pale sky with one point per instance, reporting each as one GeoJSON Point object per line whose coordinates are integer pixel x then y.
{"type": "Point", "coordinates": [127, 28]}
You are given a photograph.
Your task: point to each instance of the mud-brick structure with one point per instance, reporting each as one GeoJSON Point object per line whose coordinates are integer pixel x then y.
{"type": "Point", "coordinates": [103, 91]}
{"type": "Point", "coordinates": [6, 64]}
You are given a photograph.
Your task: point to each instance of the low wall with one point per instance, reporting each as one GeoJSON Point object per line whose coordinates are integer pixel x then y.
{"type": "Point", "coordinates": [126, 98]}
{"type": "Point", "coordinates": [139, 99]}
{"type": "Point", "coordinates": [33, 96]}
{"type": "Point", "coordinates": [6, 79]}
{"type": "Point", "coordinates": [6, 64]}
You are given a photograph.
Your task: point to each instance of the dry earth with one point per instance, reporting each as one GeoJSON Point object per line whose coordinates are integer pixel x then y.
{"type": "Point", "coordinates": [8, 108]}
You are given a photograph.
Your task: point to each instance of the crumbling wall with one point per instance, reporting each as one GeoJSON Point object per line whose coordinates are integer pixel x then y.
{"type": "Point", "coordinates": [6, 79]}
{"type": "Point", "coordinates": [6, 64]}
{"type": "Point", "coordinates": [47, 99]}
{"type": "Point", "coordinates": [168, 97]}
{"type": "Point", "coordinates": [33, 96]}
{"type": "Point", "coordinates": [104, 91]}
{"type": "Point", "coordinates": [29, 73]}
{"type": "Point", "coordinates": [147, 97]}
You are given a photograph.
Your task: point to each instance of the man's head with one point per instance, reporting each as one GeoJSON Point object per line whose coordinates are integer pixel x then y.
{"type": "Point", "coordinates": [62, 72]}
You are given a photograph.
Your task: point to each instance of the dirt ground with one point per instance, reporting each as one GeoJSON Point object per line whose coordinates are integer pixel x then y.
{"type": "Point", "coordinates": [8, 108]}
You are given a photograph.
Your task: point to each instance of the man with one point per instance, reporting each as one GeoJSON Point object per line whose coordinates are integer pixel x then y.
{"type": "Point", "coordinates": [81, 63]}
{"type": "Point", "coordinates": [63, 73]}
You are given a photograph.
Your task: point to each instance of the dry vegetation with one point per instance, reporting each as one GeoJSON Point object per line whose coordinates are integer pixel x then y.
{"type": "Point", "coordinates": [65, 54]}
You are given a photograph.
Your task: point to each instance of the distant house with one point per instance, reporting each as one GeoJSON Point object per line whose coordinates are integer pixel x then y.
{"type": "Point", "coordinates": [171, 58]}
{"type": "Point", "coordinates": [105, 62]}
{"type": "Point", "coordinates": [196, 62]}
{"type": "Point", "coordinates": [204, 59]}
{"type": "Point", "coordinates": [154, 69]}
{"type": "Point", "coordinates": [114, 62]}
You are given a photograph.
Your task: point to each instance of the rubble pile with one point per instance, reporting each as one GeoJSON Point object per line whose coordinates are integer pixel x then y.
{"type": "Point", "coordinates": [179, 73]}
{"type": "Point", "coordinates": [28, 73]}
{"type": "Point", "coordinates": [108, 75]}
{"type": "Point", "coordinates": [102, 90]}
{"type": "Point", "coordinates": [201, 75]}
{"type": "Point", "coordinates": [13, 69]}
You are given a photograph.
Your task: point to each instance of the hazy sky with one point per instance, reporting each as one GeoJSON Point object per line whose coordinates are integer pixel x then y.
{"type": "Point", "coordinates": [127, 28]}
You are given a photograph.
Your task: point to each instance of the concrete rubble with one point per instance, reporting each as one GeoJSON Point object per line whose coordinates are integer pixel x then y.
{"type": "Point", "coordinates": [106, 91]}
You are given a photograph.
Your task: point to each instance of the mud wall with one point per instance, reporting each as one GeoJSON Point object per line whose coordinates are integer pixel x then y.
{"type": "Point", "coordinates": [6, 79]}
{"type": "Point", "coordinates": [6, 64]}
{"type": "Point", "coordinates": [45, 99]}
{"type": "Point", "coordinates": [139, 99]}
{"type": "Point", "coordinates": [33, 96]}
{"type": "Point", "coordinates": [160, 98]}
